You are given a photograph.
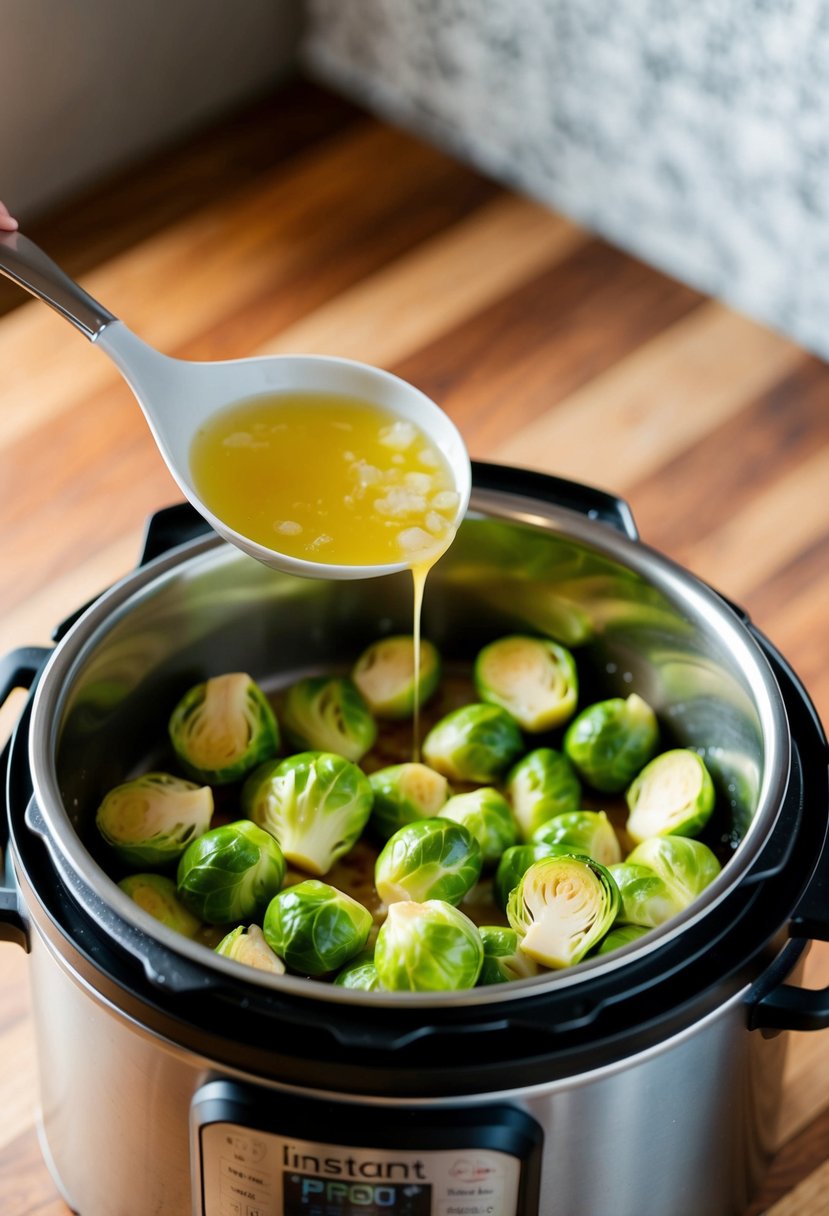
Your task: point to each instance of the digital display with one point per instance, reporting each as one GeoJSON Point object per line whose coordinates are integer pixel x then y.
{"type": "Point", "coordinates": [310, 1195]}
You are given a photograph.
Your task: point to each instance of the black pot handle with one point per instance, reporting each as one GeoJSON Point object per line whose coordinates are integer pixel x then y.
{"type": "Point", "coordinates": [170, 527]}
{"type": "Point", "coordinates": [572, 495]}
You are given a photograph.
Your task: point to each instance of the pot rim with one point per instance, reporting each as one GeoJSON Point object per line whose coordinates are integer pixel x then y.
{"type": "Point", "coordinates": [677, 584]}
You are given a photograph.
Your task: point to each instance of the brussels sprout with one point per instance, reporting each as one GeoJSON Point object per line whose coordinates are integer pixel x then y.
{"type": "Point", "coordinates": [504, 961]}
{"type": "Point", "coordinates": [360, 973]}
{"type": "Point", "coordinates": [223, 728]}
{"type": "Point", "coordinates": [619, 936]}
{"type": "Point", "coordinates": [428, 947]}
{"type": "Point", "coordinates": [249, 946]}
{"type": "Point", "coordinates": [385, 675]}
{"type": "Point", "coordinates": [487, 815]}
{"type": "Point", "coordinates": [562, 908]}
{"type": "Point", "coordinates": [647, 900]}
{"type": "Point", "coordinates": [674, 794]}
{"type": "Point", "coordinates": [517, 860]}
{"type": "Point", "coordinates": [230, 873]}
{"type": "Point", "coordinates": [151, 820]}
{"type": "Point", "coordinates": [404, 793]}
{"type": "Point", "coordinates": [591, 831]}
{"type": "Point", "coordinates": [609, 742]}
{"type": "Point", "coordinates": [328, 714]}
{"type": "Point", "coordinates": [474, 743]}
{"type": "Point", "coordinates": [533, 678]}
{"type": "Point", "coordinates": [430, 859]}
{"type": "Point", "coordinates": [542, 784]}
{"type": "Point", "coordinates": [315, 928]}
{"type": "Point", "coordinates": [316, 804]}
{"type": "Point", "coordinates": [156, 894]}
{"type": "Point", "coordinates": [687, 866]}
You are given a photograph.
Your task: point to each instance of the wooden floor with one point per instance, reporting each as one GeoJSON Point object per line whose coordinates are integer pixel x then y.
{"type": "Point", "coordinates": [304, 225]}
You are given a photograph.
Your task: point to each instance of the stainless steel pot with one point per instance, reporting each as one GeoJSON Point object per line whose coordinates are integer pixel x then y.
{"type": "Point", "coordinates": [598, 1090]}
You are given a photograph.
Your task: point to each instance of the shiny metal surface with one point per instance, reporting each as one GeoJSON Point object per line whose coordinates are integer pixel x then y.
{"type": "Point", "coordinates": [634, 619]}
{"type": "Point", "coordinates": [25, 263]}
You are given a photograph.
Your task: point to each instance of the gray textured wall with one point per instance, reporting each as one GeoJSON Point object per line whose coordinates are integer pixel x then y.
{"type": "Point", "coordinates": [695, 135]}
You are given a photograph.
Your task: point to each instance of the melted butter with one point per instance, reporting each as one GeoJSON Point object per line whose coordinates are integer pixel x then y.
{"type": "Point", "coordinates": [330, 479]}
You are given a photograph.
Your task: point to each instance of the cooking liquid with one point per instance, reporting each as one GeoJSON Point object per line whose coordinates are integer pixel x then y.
{"type": "Point", "coordinates": [330, 479]}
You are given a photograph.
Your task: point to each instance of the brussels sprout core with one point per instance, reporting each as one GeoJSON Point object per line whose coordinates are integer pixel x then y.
{"type": "Point", "coordinates": [562, 907]}
{"type": "Point", "coordinates": [156, 894]}
{"type": "Point", "coordinates": [385, 675]}
{"type": "Point", "coordinates": [431, 859]}
{"type": "Point", "coordinates": [674, 794]}
{"type": "Point", "coordinates": [222, 728]}
{"type": "Point", "coordinates": [248, 946]}
{"type": "Point", "coordinates": [428, 947]}
{"type": "Point", "coordinates": [533, 678]}
{"type": "Point", "coordinates": [328, 714]}
{"type": "Point", "coordinates": [151, 820]}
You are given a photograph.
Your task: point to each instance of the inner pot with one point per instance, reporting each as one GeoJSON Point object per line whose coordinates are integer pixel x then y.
{"type": "Point", "coordinates": [634, 620]}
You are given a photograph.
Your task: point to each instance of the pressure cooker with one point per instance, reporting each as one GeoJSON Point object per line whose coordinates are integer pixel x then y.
{"type": "Point", "coordinates": [639, 1083]}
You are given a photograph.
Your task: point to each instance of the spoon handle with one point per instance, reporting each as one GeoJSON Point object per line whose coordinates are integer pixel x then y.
{"type": "Point", "coordinates": [26, 264]}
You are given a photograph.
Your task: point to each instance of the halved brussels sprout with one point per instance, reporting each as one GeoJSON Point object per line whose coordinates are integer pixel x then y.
{"type": "Point", "coordinates": [619, 936]}
{"type": "Point", "coordinates": [404, 793]}
{"type": "Point", "coordinates": [673, 794]}
{"type": "Point", "coordinates": [248, 946]}
{"type": "Point", "coordinates": [562, 908]}
{"type": "Point", "coordinates": [504, 961]}
{"type": "Point", "coordinates": [591, 831]}
{"type": "Point", "coordinates": [150, 821]}
{"type": "Point", "coordinates": [430, 859]}
{"type": "Point", "coordinates": [517, 860]}
{"type": "Point", "coordinates": [156, 894]}
{"type": "Point", "coordinates": [647, 900]}
{"type": "Point", "coordinates": [609, 742]}
{"type": "Point", "coordinates": [487, 815]}
{"type": "Point", "coordinates": [687, 866]}
{"type": "Point", "coordinates": [535, 679]}
{"type": "Point", "coordinates": [385, 675]}
{"type": "Point", "coordinates": [315, 928]}
{"type": "Point", "coordinates": [315, 804]}
{"type": "Point", "coordinates": [223, 728]}
{"type": "Point", "coordinates": [328, 714]}
{"type": "Point", "coordinates": [360, 973]}
{"type": "Point", "coordinates": [474, 743]}
{"type": "Point", "coordinates": [542, 784]}
{"type": "Point", "coordinates": [428, 947]}
{"type": "Point", "coordinates": [230, 873]}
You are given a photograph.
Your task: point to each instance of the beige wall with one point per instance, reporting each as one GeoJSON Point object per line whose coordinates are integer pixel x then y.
{"type": "Point", "coordinates": [88, 85]}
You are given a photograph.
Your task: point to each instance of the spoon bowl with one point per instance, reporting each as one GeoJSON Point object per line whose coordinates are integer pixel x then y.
{"type": "Point", "coordinates": [178, 397]}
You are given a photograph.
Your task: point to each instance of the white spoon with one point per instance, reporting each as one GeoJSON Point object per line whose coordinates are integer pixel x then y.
{"type": "Point", "coordinates": [177, 396]}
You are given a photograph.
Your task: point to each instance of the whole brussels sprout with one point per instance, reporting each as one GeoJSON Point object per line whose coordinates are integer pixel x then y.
{"type": "Point", "coordinates": [223, 728]}
{"type": "Point", "coordinates": [609, 742]}
{"type": "Point", "coordinates": [487, 815]}
{"type": "Point", "coordinates": [156, 894]}
{"type": "Point", "coordinates": [687, 866]}
{"type": "Point", "coordinates": [504, 961]}
{"type": "Point", "coordinates": [533, 678]}
{"type": "Point", "coordinates": [562, 908]}
{"type": "Point", "coordinates": [542, 784]}
{"type": "Point", "coordinates": [673, 794]}
{"type": "Point", "coordinates": [647, 900]}
{"type": "Point", "coordinates": [230, 873]}
{"type": "Point", "coordinates": [315, 804]}
{"type": "Point", "coordinates": [248, 946]}
{"type": "Point", "coordinates": [404, 793]}
{"type": "Point", "coordinates": [619, 936]}
{"type": "Point", "coordinates": [385, 675]}
{"type": "Point", "coordinates": [517, 860]}
{"type": "Point", "coordinates": [150, 821]}
{"type": "Point", "coordinates": [315, 928]}
{"type": "Point", "coordinates": [428, 947]}
{"type": "Point", "coordinates": [591, 831]}
{"type": "Point", "coordinates": [328, 714]}
{"type": "Point", "coordinates": [430, 859]}
{"type": "Point", "coordinates": [475, 743]}
{"type": "Point", "coordinates": [360, 973]}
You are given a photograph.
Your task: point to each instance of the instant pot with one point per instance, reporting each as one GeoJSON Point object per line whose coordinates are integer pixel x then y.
{"type": "Point", "coordinates": [642, 1083]}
